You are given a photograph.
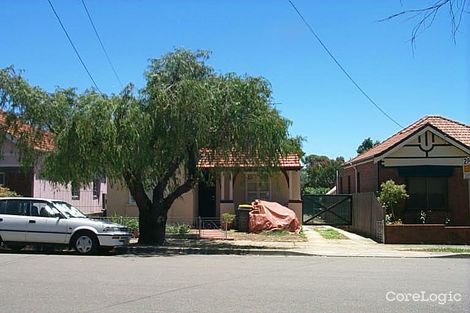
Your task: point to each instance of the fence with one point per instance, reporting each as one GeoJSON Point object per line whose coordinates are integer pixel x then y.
{"type": "Point", "coordinates": [367, 216]}
{"type": "Point", "coordinates": [326, 209]}
{"type": "Point", "coordinates": [197, 227]}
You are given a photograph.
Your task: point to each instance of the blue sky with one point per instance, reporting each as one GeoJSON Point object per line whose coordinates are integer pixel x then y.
{"type": "Point", "coordinates": [261, 38]}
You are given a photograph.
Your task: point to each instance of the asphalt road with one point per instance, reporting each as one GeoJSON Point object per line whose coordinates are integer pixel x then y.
{"type": "Point", "coordinates": [197, 283]}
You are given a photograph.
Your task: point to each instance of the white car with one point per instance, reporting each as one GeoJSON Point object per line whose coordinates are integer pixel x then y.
{"type": "Point", "coordinates": [41, 221]}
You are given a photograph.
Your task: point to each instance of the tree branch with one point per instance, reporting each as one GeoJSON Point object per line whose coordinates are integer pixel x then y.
{"type": "Point", "coordinates": [191, 167]}
{"type": "Point", "coordinates": [137, 190]}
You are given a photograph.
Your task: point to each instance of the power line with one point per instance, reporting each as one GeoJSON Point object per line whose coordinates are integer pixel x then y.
{"type": "Point", "coordinates": [341, 67]}
{"type": "Point", "coordinates": [73, 46]}
{"type": "Point", "coordinates": [101, 43]}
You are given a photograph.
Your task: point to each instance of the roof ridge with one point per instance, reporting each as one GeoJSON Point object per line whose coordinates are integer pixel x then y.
{"type": "Point", "coordinates": [450, 120]}
{"type": "Point", "coordinates": [432, 120]}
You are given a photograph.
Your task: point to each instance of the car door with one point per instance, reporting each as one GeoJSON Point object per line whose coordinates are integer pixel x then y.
{"type": "Point", "coordinates": [44, 224]}
{"type": "Point", "coordinates": [13, 219]}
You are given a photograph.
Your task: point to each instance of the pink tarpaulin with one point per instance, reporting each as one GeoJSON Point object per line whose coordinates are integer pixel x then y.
{"type": "Point", "coordinates": [271, 215]}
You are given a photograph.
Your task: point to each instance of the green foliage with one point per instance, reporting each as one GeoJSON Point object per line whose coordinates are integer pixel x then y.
{"type": "Point", "coordinates": [130, 222]}
{"type": "Point", "coordinates": [390, 195]}
{"type": "Point", "coordinates": [178, 229]}
{"type": "Point", "coordinates": [228, 218]}
{"type": "Point", "coordinates": [320, 173]}
{"type": "Point", "coordinates": [152, 138]}
{"type": "Point", "coordinates": [366, 145]}
{"type": "Point", "coordinates": [6, 192]}
{"type": "Point", "coordinates": [315, 191]}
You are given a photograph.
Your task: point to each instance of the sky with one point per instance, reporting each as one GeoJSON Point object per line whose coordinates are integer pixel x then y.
{"type": "Point", "coordinates": [261, 38]}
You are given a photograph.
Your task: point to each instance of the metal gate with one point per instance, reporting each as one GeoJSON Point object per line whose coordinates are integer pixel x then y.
{"type": "Point", "coordinates": [326, 209]}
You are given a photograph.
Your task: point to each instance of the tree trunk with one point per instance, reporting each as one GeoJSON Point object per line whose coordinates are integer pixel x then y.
{"type": "Point", "coordinates": [152, 226]}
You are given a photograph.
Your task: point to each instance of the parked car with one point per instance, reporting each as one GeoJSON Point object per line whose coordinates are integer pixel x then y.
{"type": "Point", "coordinates": [43, 221]}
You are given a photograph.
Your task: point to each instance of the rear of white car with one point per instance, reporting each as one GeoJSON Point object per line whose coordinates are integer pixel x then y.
{"type": "Point", "coordinates": [42, 221]}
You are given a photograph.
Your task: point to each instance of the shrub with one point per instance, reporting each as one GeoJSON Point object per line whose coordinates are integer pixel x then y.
{"type": "Point", "coordinates": [130, 222]}
{"type": "Point", "coordinates": [390, 195]}
{"type": "Point", "coordinates": [6, 192]}
{"type": "Point", "coordinates": [179, 229]}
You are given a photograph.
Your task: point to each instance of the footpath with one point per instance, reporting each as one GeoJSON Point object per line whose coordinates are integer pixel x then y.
{"type": "Point", "coordinates": [315, 245]}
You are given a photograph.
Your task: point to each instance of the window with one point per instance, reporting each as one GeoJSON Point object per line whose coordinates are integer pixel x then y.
{"type": "Point", "coordinates": [96, 189]}
{"type": "Point", "coordinates": [427, 193]}
{"type": "Point", "coordinates": [75, 192]}
{"type": "Point", "coordinates": [15, 207]}
{"type": "Point", "coordinates": [257, 187]}
{"type": "Point", "coordinates": [43, 209]}
{"type": "Point", "coordinates": [2, 179]}
{"type": "Point", "coordinates": [341, 184]}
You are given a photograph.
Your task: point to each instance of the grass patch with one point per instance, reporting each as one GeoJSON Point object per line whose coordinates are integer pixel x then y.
{"type": "Point", "coordinates": [444, 249]}
{"type": "Point", "coordinates": [329, 233]}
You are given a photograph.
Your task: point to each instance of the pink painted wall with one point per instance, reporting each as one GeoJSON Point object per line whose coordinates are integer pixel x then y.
{"type": "Point", "coordinates": [87, 203]}
{"type": "Point", "coordinates": [45, 189]}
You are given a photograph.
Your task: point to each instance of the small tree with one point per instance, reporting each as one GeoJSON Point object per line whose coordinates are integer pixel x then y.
{"type": "Point", "coordinates": [390, 195]}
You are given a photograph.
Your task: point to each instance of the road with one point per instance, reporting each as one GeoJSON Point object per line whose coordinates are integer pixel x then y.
{"type": "Point", "coordinates": [66, 283]}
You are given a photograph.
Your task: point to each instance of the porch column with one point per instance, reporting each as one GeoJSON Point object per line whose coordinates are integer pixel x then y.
{"type": "Point", "coordinates": [289, 174]}
{"type": "Point", "coordinates": [222, 186]}
{"type": "Point", "coordinates": [226, 201]}
{"type": "Point", "coordinates": [230, 186]}
{"type": "Point", "coordinates": [295, 201]}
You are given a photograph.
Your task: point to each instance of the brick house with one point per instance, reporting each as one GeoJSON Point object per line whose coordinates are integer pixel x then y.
{"type": "Point", "coordinates": [427, 157]}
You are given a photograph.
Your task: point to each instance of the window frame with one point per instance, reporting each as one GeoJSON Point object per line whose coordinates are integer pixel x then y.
{"type": "Point", "coordinates": [75, 192]}
{"type": "Point", "coordinates": [258, 183]}
{"type": "Point", "coordinates": [96, 186]}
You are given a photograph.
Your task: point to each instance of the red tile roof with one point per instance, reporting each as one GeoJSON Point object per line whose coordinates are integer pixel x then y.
{"type": "Point", "coordinates": [16, 127]}
{"type": "Point", "coordinates": [458, 131]}
{"type": "Point", "coordinates": [291, 161]}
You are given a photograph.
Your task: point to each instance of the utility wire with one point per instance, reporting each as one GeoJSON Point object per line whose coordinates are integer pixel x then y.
{"type": "Point", "coordinates": [101, 43]}
{"type": "Point", "coordinates": [341, 67]}
{"type": "Point", "coordinates": [73, 46]}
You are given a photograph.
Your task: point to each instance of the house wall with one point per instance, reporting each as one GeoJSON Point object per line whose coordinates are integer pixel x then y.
{"type": "Point", "coordinates": [279, 189]}
{"type": "Point", "coordinates": [87, 203]}
{"type": "Point", "coordinates": [31, 185]}
{"type": "Point", "coordinates": [120, 203]}
{"type": "Point", "coordinates": [458, 193]}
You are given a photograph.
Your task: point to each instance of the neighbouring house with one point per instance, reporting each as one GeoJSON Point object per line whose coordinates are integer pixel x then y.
{"type": "Point", "coordinates": [29, 183]}
{"type": "Point", "coordinates": [235, 184]}
{"type": "Point", "coordinates": [427, 157]}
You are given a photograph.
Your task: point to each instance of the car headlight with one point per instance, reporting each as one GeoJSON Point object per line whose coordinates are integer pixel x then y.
{"type": "Point", "coordinates": [110, 229]}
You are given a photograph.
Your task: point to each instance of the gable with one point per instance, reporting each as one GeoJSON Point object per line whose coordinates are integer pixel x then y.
{"type": "Point", "coordinates": [426, 147]}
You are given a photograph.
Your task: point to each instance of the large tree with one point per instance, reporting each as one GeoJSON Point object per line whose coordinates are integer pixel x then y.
{"type": "Point", "coordinates": [151, 139]}
{"type": "Point", "coordinates": [320, 172]}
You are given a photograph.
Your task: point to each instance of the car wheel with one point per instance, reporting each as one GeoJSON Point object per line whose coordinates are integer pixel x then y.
{"type": "Point", "coordinates": [15, 247]}
{"type": "Point", "coordinates": [85, 243]}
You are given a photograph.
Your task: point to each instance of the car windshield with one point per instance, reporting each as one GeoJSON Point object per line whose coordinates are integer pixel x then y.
{"type": "Point", "coordinates": [69, 210]}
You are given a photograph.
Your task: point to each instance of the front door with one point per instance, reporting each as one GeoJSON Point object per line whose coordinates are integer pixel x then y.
{"type": "Point", "coordinates": [206, 197]}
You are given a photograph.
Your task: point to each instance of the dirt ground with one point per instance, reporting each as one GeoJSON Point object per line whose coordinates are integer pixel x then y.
{"type": "Point", "coordinates": [268, 236]}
